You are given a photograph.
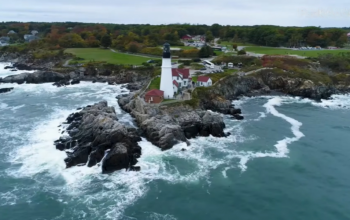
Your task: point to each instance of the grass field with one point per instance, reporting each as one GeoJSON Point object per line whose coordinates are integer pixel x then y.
{"type": "Point", "coordinates": [97, 54]}
{"type": "Point", "coordinates": [238, 44]}
{"type": "Point", "coordinates": [280, 51]}
{"type": "Point", "coordinates": [155, 84]}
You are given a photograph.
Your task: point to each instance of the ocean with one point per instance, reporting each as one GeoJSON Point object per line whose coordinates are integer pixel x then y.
{"type": "Point", "coordinates": [289, 159]}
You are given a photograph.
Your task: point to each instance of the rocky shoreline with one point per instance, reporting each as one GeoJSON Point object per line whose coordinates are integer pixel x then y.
{"type": "Point", "coordinates": [94, 136]}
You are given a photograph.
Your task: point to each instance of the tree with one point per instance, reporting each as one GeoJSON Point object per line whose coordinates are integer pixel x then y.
{"type": "Point", "coordinates": [205, 52]}
{"type": "Point", "coordinates": [106, 41]}
{"type": "Point", "coordinates": [235, 46]}
{"type": "Point", "coordinates": [71, 40]}
{"type": "Point", "coordinates": [242, 52]}
{"type": "Point", "coordinates": [208, 36]}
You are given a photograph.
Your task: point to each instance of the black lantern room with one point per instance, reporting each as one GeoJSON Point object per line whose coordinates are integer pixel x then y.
{"type": "Point", "coordinates": [166, 50]}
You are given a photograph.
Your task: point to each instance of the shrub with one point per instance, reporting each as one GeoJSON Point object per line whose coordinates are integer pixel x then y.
{"type": "Point", "coordinates": [241, 52]}
{"type": "Point", "coordinates": [196, 60]}
{"type": "Point", "coordinates": [185, 62]}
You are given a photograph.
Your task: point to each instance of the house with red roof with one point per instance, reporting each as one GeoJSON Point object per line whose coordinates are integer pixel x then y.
{"type": "Point", "coordinates": [204, 81]}
{"type": "Point", "coordinates": [186, 37]}
{"type": "Point", "coordinates": [175, 86]}
{"type": "Point", "coordinates": [182, 77]}
{"type": "Point", "coordinates": [154, 96]}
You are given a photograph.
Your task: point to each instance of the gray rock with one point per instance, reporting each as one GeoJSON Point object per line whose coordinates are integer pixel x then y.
{"type": "Point", "coordinates": [94, 131]}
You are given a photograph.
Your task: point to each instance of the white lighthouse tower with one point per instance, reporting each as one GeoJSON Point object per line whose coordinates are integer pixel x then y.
{"type": "Point", "coordinates": [166, 81]}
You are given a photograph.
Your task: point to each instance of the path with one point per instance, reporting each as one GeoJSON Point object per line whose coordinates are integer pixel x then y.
{"type": "Point", "coordinates": [138, 55]}
{"type": "Point", "coordinates": [66, 64]}
{"type": "Point", "coordinates": [260, 55]}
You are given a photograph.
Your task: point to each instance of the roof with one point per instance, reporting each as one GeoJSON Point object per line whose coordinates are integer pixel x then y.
{"type": "Point", "coordinates": [203, 79]}
{"type": "Point", "coordinates": [175, 72]}
{"type": "Point", "coordinates": [155, 92]}
{"type": "Point", "coordinates": [348, 34]}
{"type": "Point", "coordinates": [184, 72]}
{"type": "Point", "coordinates": [175, 83]}
{"type": "Point", "coordinates": [187, 36]}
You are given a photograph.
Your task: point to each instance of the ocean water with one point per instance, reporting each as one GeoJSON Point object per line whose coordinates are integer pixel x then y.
{"type": "Point", "coordinates": [289, 159]}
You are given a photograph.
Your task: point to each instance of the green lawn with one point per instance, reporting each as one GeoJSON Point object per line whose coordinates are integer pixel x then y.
{"type": "Point", "coordinates": [155, 84]}
{"type": "Point", "coordinates": [280, 51]}
{"type": "Point", "coordinates": [106, 55]}
{"type": "Point", "coordinates": [238, 44]}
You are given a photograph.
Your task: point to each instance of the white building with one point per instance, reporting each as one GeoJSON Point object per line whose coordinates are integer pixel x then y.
{"type": "Point", "coordinates": [204, 81]}
{"type": "Point", "coordinates": [166, 81]}
{"type": "Point", "coordinates": [181, 76]}
{"type": "Point", "coordinates": [175, 86]}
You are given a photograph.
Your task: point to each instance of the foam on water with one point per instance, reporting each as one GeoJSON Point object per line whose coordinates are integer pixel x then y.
{"type": "Point", "coordinates": [4, 73]}
{"type": "Point", "coordinates": [82, 188]}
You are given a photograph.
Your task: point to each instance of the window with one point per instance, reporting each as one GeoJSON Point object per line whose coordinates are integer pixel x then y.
{"type": "Point", "coordinates": [177, 78]}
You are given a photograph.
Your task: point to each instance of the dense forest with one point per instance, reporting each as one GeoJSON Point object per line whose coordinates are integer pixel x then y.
{"type": "Point", "coordinates": [135, 37]}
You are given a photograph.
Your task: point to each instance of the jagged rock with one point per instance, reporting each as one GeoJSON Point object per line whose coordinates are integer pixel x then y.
{"type": "Point", "coordinates": [21, 66]}
{"type": "Point", "coordinates": [238, 117]}
{"type": "Point", "coordinates": [36, 77]}
{"type": "Point", "coordinates": [3, 90]}
{"type": "Point", "coordinates": [94, 134]}
{"type": "Point", "coordinates": [75, 81]}
{"type": "Point", "coordinates": [9, 67]}
{"type": "Point", "coordinates": [165, 127]}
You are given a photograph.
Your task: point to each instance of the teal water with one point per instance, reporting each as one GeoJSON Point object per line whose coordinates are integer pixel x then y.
{"type": "Point", "coordinates": [287, 160]}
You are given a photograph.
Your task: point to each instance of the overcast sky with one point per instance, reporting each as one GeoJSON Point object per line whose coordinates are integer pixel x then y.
{"type": "Point", "coordinates": [335, 13]}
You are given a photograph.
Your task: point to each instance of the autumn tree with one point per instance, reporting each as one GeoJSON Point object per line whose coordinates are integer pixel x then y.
{"type": "Point", "coordinates": [106, 41]}
{"type": "Point", "coordinates": [71, 41]}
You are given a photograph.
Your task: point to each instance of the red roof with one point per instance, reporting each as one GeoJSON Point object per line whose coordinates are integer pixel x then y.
{"type": "Point", "coordinates": [155, 92]}
{"type": "Point", "coordinates": [174, 72]}
{"type": "Point", "coordinates": [175, 83]}
{"type": "Point", "coordinates": [187, 37]}
{"type": "Point", "coordinates": [184, 72]}
{"type": "Point", "coordinates": [203, 79]}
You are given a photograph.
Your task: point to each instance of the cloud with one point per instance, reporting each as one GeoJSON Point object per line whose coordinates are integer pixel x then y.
{"type": "Point", "coordinates": [225, 12]}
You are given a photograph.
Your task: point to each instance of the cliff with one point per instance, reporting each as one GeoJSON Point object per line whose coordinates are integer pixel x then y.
{"type": "Point", "coordinates": [314, 86]}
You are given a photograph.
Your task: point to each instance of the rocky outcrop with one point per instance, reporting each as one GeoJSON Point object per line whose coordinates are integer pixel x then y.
{"type": "Point", "coordinates": [36, 77]}
{"type": "Point", "coordinates": [166, 126]}
{"type": "Point", "coordinates": [3, 90]}
{"type": "Point", "coordinates": [266, 82]}
{"type": "Point", "coordinates": [96, 137]}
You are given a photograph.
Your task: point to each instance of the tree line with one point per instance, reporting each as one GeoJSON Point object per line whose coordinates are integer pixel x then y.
{"type": "Point", "coordinates": [135, 37]}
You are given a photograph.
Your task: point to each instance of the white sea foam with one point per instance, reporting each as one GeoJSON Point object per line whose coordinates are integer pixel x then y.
{"type": "Point", "coordinates": [335, 102]}
{"type": "Point", "coordinates": [8, 72]}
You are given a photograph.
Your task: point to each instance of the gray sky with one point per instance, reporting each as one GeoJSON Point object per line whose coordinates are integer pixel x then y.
{"type": "Point", "coordinates": [335, 13]}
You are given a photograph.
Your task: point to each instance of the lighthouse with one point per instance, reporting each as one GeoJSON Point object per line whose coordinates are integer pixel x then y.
{"type": "Point", "coordinates": [166, 81]}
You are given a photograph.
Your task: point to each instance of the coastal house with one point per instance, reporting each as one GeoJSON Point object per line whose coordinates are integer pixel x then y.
{"type": "Point", "coordinates": [200, 38]}
{"type": "Point", "coordinates": [204, 81]}
{"type": "Point", "coordinates": [187, 37]}
{"type": "Point", "coordinates": [4, 40]}
{"type": "Point", "coordinates": [30, 37]}
{"type": "Point", "coordinates": [11, 32]}
{"type": "Point", "coordinates": [175, 86]}
{"type": "Point", "coordinates": [34, 32]}
{"type": "Point", "coordinates": [154, 96]}
{"type": "Point", "coordinates": [181, 76]}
